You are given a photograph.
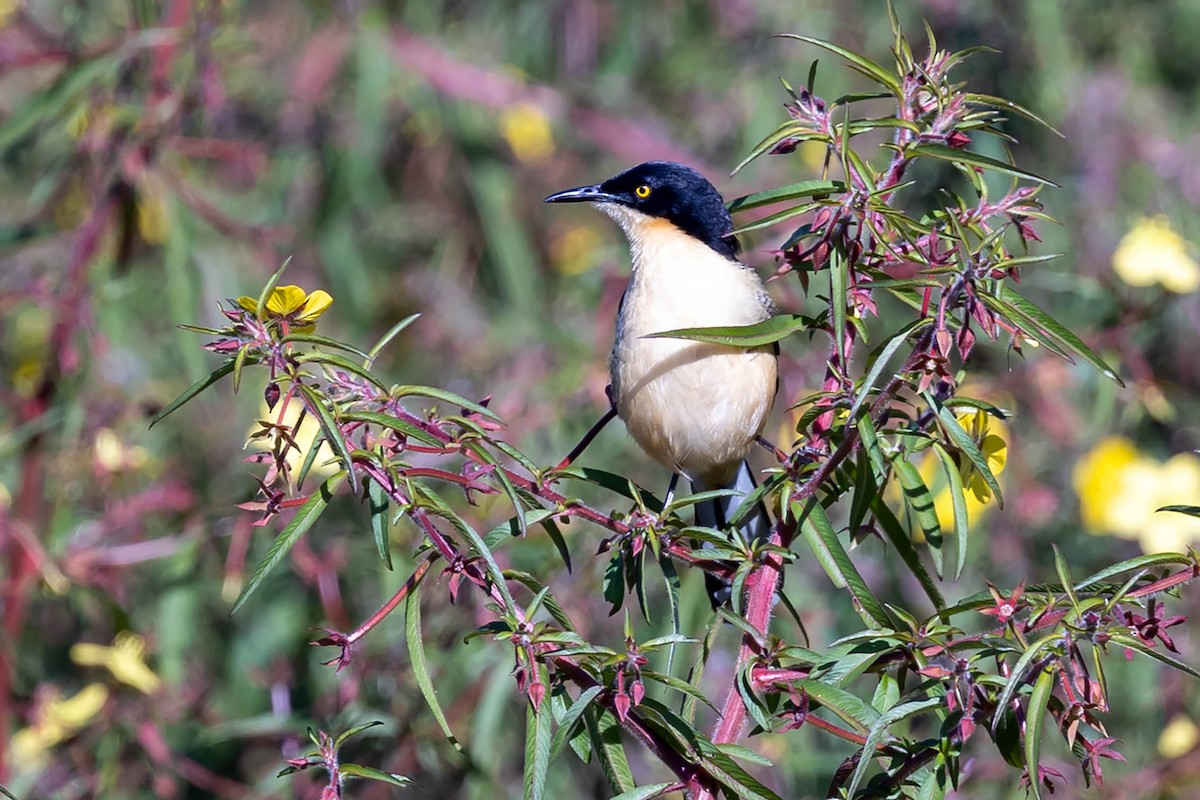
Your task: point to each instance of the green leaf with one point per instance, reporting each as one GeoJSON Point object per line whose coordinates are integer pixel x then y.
{"type": "Point", "coordinates": [1138, 562]}
{"type": "Point", "coordinates": [537, 749]}
{"type": "Point", "coordinates": [645, 792]}
{"type": "Point", "coordinates": [958, 501]}
{"type": "Point", "coordinates": [1191, 511]}
{"type": "Point", "coordinates": [355, 731]}
{"type": "Point", "coordinates": [967, 158]}
{"type": "Point", "coordinates": [761, 333]}
{"type": "Point", "coordinates": [193, 390]}
{"type": "Point", "coordinates": [881, 360]}
{"type": "Point", "coordinates": [1064, 575]}
{"type": "Point", "coordinates": [444, 396]}
{"type": "Point", "coordinates": [1008, 105]}
{"type": "Point", "coordinates": [377, 500]}
{"type": "Point", "coordinates": [866, 66]}
{"type": "Point", "coordinates": [316, 404]}
{"type": "Point", "coordinates": [1018, 674]}
{"type": "Point", "coordinates": [400, 426]}
{"type": "Point", "coordinates": [919, 501]}
{"type": "Point", "coordinates": [899, 539]}
{"type": "Point", "coordinates": [1044, 322]}
{"type": "Point", "coordinates": [880, 729]}
{"type": "Point", "coordinates": [819, 534]}
{"type": "Point", "coordinates": [792, 191]}
{"type": "Point", "coordinates": [963, 441]}
{"type": "Point", "coordinates": [335, 361]}
{"type": "Point", "coordinates": [732, 776]}
{"type": "Point", "coordinates": [777, 217]}
{"type": "Point", "coordinates": [1036, 713]}
{"type": "Point", "coordinates": [373, 774]}
{"type": "Point", "coordinates": [416, 656]}
{"type": "Point", "coordinates": [838, 296]}
{"type": "Point", "coordinates": [324, 341]}
{"type": "Point", "coordinates": [606, 741]}
{"type": "Point", "coordinates": [308, 514]}
{"type": "Point", "coordinates": [1157, 654]}
{"type": "Point", "coordinates": [569, 719]}
{"type": "Point", "coordinates": [850, 708]}
{"type": "Point", "coordinates": [387, 338]}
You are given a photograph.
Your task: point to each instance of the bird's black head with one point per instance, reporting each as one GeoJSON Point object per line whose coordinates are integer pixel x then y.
{"type": "Point", "coordinates": [665, 190]}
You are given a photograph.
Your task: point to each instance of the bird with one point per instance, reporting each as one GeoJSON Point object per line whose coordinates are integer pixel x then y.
{"type": "Point", "coordinates": [694, 407]}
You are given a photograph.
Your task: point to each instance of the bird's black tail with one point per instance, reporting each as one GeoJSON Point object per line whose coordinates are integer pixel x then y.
{"type": "Point", "coordinates": [717, 513]}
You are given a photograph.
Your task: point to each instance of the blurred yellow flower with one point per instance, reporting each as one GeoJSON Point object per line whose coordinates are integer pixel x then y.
{"type": "Point", "coordinates": [1120, 491]}
{"type": "Point", "coordinates": [124, 659]}
{"type": "Point", "coordinates": [576, 251]}
{"type": "Point", "coordinates": [1152, 252]}
{"type": "Point", "coordinates": [291, 303]}
{"type": "Point", "coordinates": [55, 719]}
{"type": "Point", "coordinates": [1178, 738]}
{"type": "Point", "coordinates": [304, 435]}
{"type": "Point", "coordinates": [113, 455]}
{"type": "Point", "coordinates": [527, 132]}
{"type": "Point", "coordinates": [153, 210]}
{"type": "Point", "coordinates": [7, 9]}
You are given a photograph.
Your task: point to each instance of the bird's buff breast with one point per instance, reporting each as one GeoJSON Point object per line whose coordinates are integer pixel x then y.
{"type": "Point", "coordinates": [694, 407]}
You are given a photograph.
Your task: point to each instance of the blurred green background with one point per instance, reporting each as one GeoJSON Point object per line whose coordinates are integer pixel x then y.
{"type": "Point", "coordinates": [157, 158]}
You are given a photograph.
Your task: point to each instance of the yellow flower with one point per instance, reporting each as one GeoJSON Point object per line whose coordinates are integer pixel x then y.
{"type": "Point", "coordinates": [1178, 738]}
{"type": "Point", "coordinates": [1152, 252]}
{"type": "Point", "coordinates": [7, 9]}
{"type": "Point", "coordinates": [124, 659]}
{"type": "Point", "coordinates": [305, 436]}
{"type": "Point", "coordinates": [1120, 491]}
{"type": "Point", "coordinates": [576, 251]}
{"type": "Point", "coordinates": [291, 303]}
{"type": "Point", "coordinates": [527, 132]}
{"type": "Point", "coordinates": [113, 455]}
{"type": "Point", "coordinates": [153, 210]}
{"type": "Point", "coordinates": [54, 720]}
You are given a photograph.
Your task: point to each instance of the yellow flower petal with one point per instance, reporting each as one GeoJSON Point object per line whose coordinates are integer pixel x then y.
{"type": "Point", "coordinates": [527, 132]}
{"type": "Point", "coordinates": [74, 712]}
{"type": "Point", "coordinates": [124, 659]}
{"type": "Point", "coordinates": [285, 300]}
{"type": "Point", "coordinates": [248, 303]}
{"type": "Point", "coordinates": [1178, 738]}
{"type": "Point", "coordinates": [314, 306]}
{"type": "Point", "coordinates": [1152, 252]}
{"type": "Point", "coordinates": [1095, 476]}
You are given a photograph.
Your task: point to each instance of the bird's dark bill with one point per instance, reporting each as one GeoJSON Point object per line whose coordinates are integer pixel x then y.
{"type": "Point", "coordinates": [582, 194]}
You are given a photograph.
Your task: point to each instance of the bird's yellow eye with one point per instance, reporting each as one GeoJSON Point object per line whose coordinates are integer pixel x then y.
{"type": "Point", "coordinates": [642, 191]}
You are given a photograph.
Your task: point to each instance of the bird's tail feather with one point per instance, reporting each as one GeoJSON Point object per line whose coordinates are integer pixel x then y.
{"type": "Point", "coordinates": [717, 512]}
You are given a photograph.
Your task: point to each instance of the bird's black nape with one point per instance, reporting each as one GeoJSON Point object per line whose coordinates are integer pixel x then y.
{"type": "Point", "coordinates": [670, 191]}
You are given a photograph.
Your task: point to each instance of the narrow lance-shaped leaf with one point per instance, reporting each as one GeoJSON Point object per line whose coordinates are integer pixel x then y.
{"type": "Point", "coordinates": [792, 191]}
{"type": "Point", "coordinates": [963, 441]}
{"type": "Point", "coordinates": [1038, 701]}
{"type": "Point", "coordinates": [958, 502]}
{"type": "Point", "coordinates": [308, 514]}
{"type": "Point", "coordinates": [193, 390]}
{"type": "Point", "coordinates": [879, 731]}
{"type": "Point", "coordinates": [865, 65]}
{"type": "Point", "coordinates": [969, 159]}
{"type": "Point", "coordinates": [919, 501]}
{"type": "Point", "coordinates": [820, 536]}
{"type": "Point", "coordinates": [537, 748]}
{"type": "Point", "coordinates": [761, 333]}
{"type": "Point", "coordinates": [416, 656]}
